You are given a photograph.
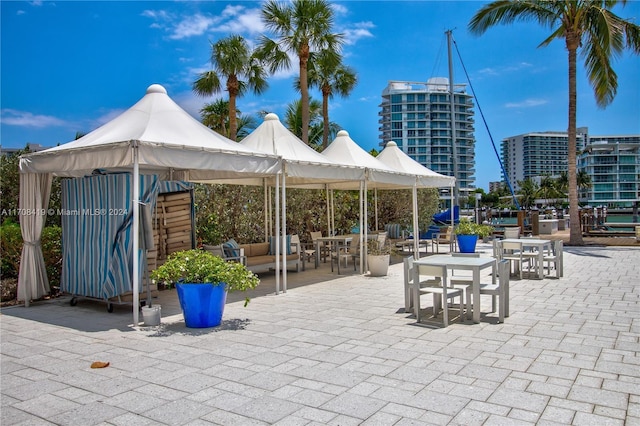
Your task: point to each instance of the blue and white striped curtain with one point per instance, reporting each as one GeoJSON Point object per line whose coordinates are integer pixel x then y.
{"type": "Point", "coordinates": [97, 241]}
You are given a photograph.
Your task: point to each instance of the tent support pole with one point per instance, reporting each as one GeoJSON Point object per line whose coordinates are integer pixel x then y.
{"type": "Point", "coordinates": [333, 215]}
{"type": "Point", "coordinates": [364, 226]}
{"type": "Point", "coordinates": [136, 227]}
{"type": "Point", "coordinates": [284, 232]}
{"type": "Point", "coordinates": [277, 233]}
{"type": "Point", "coordinates": [375, 199]}
{"type": "Point", "coordinates": [326, 191]}
{"type": "Point", "coordinates": [267, 226]}
{"type": "Point", "coordinates": [416, 231]}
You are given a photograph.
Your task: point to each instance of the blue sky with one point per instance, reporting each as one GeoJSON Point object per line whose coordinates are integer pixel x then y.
{"type": "Point", "coordinates": [70, 66]}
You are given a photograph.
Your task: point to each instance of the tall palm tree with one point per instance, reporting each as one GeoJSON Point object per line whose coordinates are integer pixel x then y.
{"type": "Point", "coordinates": [586, 24]}
{"type": "Point", "coordinates": [301, 27]}
{"type": "Point", "coordinates": [233, 59]}
{"type": "Point", "coordinates": [327, 73]}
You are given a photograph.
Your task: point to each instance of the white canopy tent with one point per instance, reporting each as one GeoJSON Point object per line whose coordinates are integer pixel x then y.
{"type": "Point", "coordinates": [395, 158]}
{"type": "Point", "coordinates": [302, 167]}
{"type": "Point", "coordinates": [377, 176]}
{"type": "Point", "coordinates": [155, 136]}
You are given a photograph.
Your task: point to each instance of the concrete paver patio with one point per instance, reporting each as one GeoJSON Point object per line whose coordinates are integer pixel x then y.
{"type": "Point", "coordinates": [339, 351]}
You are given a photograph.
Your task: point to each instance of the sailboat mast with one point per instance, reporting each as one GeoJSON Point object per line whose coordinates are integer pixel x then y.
{"type": "Point", "coordinates": [454, 153]}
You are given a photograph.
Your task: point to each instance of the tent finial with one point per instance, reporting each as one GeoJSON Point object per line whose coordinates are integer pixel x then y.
{"type": "Point", "coordinates": [156, 88]}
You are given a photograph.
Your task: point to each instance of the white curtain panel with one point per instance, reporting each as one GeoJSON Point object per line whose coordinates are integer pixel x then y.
{"type": "Point", "coordinates": [35, 189]}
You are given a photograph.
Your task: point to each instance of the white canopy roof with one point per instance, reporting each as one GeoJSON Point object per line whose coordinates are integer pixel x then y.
{"type": "Point", "coordinates": [395, 158]}
{"type": "Point", "coordinates": [167, 138]}
{"type": "Point", "coordinates": [303, 165]}
{"type": "Point", "coordinates": [379, 175]}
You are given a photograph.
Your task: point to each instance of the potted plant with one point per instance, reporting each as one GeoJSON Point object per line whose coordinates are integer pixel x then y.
{"type": "Point", "coordinates": [202, 281]}
{"type": "Point", "coordinates": [468, 232]}
{"type": "Point", "coordinates": [378, 256]}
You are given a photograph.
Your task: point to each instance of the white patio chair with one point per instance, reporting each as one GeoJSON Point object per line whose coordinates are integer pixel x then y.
{"type": "Point", "coordinates": [512, 232]}
{"type": "Point", "coordinates": [499, 290]}
{"type": "Point", "coordinates": [438, 286]}
{"type": "Point", "coordinates": [497, 249]}
{"type": "Point", "coordinates": [554, 256]}
{"type": "Point", "coordinates": [512, 251]}
{"type": "Point", "coordinates": [324, 247]}
{"type": "Point", "coordinates": [296, 247]}
{"type": "Point", "coordinates": [408, 284]}
{"type": "Point", "coordinates": [341, 251]}
{"type": "Point", "coordinates": [463, 282]}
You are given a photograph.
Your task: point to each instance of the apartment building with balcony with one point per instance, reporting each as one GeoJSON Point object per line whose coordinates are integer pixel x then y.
{"type": "Point", "coordinates": [612, 163]}
{"type": "Point", "coordinates": [417, 116]}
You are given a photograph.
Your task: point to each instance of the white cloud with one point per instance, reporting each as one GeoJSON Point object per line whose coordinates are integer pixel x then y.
{"type": "Point", "coordinates": [13, 117]}
{"type": "Point", "coordinates": [360, 30]}
{"type": "Point", "coordinates": [339, 9]}
{"type": "Point", "coordinates": [527, 103]}
{"type": "Point", "coordinates": [192, 26]}
{"type": "Point", "coordinates": [249, 21]}
{"type": "Point", "coordinates": [157, 14]}
{"type": "Point", "coordinates": [495, 71]}
{"type": "Point", "coordinates": [20, 12]}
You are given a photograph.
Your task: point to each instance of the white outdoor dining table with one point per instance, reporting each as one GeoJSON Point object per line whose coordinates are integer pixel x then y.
{"type": "Point", "coordinates": [537, 243]}
{"type": "Point", "coordinates": [334, 241]}
{"type": "Point", "coordinates": [474, 264]}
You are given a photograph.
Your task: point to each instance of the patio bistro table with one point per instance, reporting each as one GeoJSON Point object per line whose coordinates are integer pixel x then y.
{"type": "Point", "coordinates": [474, 264]}
{"type": "Point", "coordinates": [538, 243]}
{"type": "Point", "coordinates": [333, 241]}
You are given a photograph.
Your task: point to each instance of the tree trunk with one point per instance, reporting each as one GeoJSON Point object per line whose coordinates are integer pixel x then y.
{"type": "Point", "coordinates": [304, 92]}
{"type": "Point", "coordinates": [233, 88]}
{"type": "Point", "coordinates": [325, 118]}
{"type": "Point", "coordinates": [575, 236]}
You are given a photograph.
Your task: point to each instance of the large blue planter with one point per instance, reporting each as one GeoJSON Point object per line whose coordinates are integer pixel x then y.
{"type": "Point", "coordinates": [467, 243]}
{"type": "Point", "coordinates": [202, 304]}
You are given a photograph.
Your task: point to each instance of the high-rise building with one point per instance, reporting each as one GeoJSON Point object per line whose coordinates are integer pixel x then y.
{"type": "Point", "coordinates": [537, 154]}
{"type": "Point", "coordinates": [417, 116]}
{"type": "Point", "coordinates": [611, 162]}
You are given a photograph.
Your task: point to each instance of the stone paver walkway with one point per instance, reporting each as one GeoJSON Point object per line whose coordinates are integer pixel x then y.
{"type": "Point", "coordinates": [339, 352]}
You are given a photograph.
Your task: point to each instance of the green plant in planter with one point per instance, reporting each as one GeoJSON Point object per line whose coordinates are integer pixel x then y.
{"type": "Point", "coordinates": [467, 227]}
{"type": "Point", "coordinates": [200, 267]}
{"type": "Point", "coordinates": [375, 249]}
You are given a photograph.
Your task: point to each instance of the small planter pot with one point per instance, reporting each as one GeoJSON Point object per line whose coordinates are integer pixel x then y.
{"type": "Point", "coordinates": [467, 243]}
{"type": "Point", "coordinates": [151, 315]}
{"type": "Point", "coordinates": [378, 264]}
{"type": "Point", "coordinates": [202, 304]}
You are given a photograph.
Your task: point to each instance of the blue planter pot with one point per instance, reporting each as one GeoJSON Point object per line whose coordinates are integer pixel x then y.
{"type": "Point", "coordinates": [202, 304]}
{"type": "Point", "coordinates": [467, 243]}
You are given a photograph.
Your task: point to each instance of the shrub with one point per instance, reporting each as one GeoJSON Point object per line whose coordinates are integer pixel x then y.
{"type": "Point", "coordinates": [11, 251]}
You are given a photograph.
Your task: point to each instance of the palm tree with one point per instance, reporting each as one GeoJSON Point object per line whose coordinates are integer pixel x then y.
{"type": "Point", "coordinates": [233, 59]}
{"type": "Point", "coordinates": [215, 115]}
{"type": "Point", "coordinates": [527, 192]}
{"type": "Point", "coordinates": [562, 182]}
{"type": "Point", "coordinates": [549, 189]}
{"type": "Point", "coordinates": [246, 124]}
{"type": "Point", "coordinates": [590, 25]}
{"type": "Point", "coordinates": [293, 121]}
{"type": "Point", "coordinates": [301, 26]}
{"type": "Point", "coordinates": [327, 73]}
